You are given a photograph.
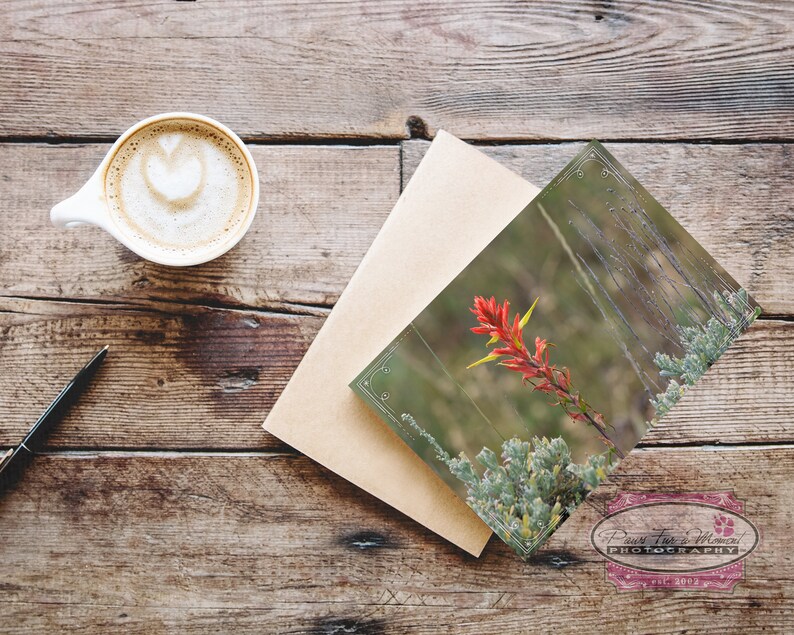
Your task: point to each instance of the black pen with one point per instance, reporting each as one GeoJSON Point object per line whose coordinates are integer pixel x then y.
{"type": "Point", "coordinates": [14, 461]}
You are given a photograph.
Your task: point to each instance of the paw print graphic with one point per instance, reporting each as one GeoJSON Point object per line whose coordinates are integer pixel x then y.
{"type": "Point", "coordinates": [723, 526]}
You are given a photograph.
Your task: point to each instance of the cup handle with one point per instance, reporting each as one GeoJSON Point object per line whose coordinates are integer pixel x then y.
{"type": "Point", "coordinates": [86, 207]}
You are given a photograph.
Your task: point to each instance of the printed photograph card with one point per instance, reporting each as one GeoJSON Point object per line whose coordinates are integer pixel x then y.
{"type": "Point", "coordinates": [543, 363]}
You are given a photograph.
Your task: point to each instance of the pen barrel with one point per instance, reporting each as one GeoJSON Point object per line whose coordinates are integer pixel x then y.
{"type": "Point", "coordinates": [14, 465]}
{"type": "Point", "coordinates": [35, 438]}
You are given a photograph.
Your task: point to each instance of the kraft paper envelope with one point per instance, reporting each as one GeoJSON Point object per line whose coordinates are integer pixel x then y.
{"type": "Point", "coordinates": [456, 203]}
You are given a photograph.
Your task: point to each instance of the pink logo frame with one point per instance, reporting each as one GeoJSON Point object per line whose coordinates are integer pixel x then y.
{"type": "Point", "coordinates": [720, 579]}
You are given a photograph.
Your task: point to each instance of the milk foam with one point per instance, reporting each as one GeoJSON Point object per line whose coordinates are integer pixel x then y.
{"type": "Point", "coordinates": [179, 187]}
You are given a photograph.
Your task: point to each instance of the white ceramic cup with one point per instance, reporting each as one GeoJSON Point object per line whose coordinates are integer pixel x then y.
{"type": "Point", "coordinates": [89, 206]}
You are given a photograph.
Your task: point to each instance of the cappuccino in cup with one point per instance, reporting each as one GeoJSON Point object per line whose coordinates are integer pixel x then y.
{"type": "Point", "coordinates": [177, 189]}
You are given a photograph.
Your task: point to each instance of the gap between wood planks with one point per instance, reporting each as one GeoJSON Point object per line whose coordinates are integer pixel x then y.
{"type": "Point", "coordinates": [318, 140]}
{"type": "Point", "coordinates": [173, 307]}
{"type": "Point", "coordinates": [89, 453]}
{"type": "Point", "coordinates": [179, 307]}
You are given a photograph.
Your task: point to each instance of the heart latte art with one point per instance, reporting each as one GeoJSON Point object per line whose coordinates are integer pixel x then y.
{"type": "Point", "coordinates": [179, 186]}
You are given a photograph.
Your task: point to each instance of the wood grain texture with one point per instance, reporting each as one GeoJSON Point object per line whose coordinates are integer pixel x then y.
{"type": "Point", "coordinates": [322, 206]}
{"type": "Point", "coordinates": [200, 378]}
{"type": "Point", "coordinates": [480, 69]}
{"type": "Point", "coordinates": [203, 378]}
{"type": "Point", "coordinates": [739, 400]}
{"type": "Point", "coordinates": [736, 200]}
{"type": "Point", "coordinates": [156, 542]}
{"type": "Point", "coordinates": [320, 209]}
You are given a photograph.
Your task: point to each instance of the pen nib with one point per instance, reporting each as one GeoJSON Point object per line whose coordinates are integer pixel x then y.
{"type": "Point", "coordinates": [8, 453]}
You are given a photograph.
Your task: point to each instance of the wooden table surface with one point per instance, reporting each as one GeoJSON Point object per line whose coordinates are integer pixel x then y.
{"type": "Point", "coordinates": [161, 504]}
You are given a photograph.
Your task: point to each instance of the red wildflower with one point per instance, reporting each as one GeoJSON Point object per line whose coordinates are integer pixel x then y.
{"type": "Point", "coordinates": [494, 321]}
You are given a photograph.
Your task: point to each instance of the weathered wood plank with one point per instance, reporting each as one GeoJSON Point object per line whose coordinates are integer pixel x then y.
{"type": "Point", "coordinates": [495, 70]}
{"type": "Point", "coordinates": [172, 541]}
{"type": "Point", "coordinates": [319, 211]}
{"type": "Point", "coordinates": [740, 399]}
{"type": "Point", "coordinates": [191, 377]}
{"type": "Point", "coordinates": [203, 378]}
{"type": "Point", "coordinates": [736, 200]}
{"type": "Point", "coordinates": [322, 206]}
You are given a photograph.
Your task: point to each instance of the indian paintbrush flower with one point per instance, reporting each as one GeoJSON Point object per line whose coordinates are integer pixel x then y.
{"type": "Point", "coordinates": [535, 368]}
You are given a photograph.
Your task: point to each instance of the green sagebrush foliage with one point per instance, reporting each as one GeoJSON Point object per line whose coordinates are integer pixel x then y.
{"type": "Point", "coordinates": [525, 498]}
{"type": "Point", "coordinates": [703, 345]}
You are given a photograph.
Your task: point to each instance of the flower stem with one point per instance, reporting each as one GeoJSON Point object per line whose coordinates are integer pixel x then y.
{"type": "Point", "coordinates": [590, 419]}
